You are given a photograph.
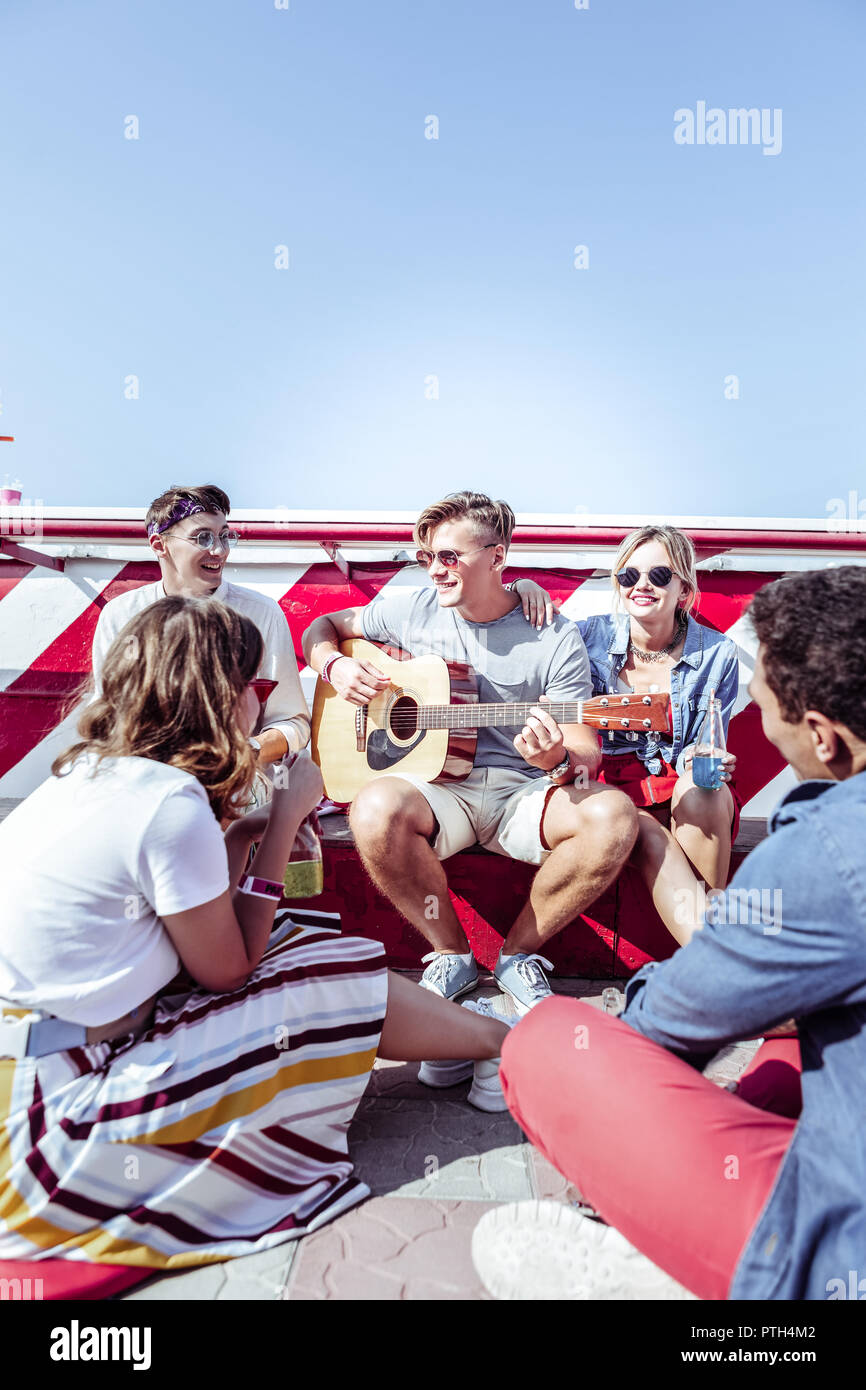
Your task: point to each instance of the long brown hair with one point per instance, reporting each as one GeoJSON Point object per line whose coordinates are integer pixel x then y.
{"type": "Point", "coordinates": [170, 686]}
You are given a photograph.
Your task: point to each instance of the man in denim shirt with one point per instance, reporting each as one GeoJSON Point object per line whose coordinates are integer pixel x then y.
{"type": "Point", "coordinates": [730, 1200]}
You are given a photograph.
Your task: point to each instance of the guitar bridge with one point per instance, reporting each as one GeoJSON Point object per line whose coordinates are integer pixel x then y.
{"type": "Point", "coordinates": [361, 728]}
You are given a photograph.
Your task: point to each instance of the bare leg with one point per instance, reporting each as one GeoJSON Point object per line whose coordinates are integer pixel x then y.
{"type": "Point", "coordinates": [420, 1024]}
{"type": "Point", "coordinates": [676, 892]}
{"type": "Point", "coordinates": [391, 822]}
{"type": "Point", "coordinates": [701, 822]}
{"type": "Point", "coordinates": [591, 832]}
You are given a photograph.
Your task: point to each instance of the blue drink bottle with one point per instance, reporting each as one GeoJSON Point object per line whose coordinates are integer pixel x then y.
{"type": "Point", "coordinates": [708, 758]}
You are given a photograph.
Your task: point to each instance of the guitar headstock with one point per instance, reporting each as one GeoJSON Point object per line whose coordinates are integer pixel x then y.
{"type": "Point", "coordinates": [618, 713]}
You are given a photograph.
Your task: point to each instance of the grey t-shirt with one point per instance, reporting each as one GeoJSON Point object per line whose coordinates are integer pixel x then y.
{"type": "Point", "coordinates": [512, 661]}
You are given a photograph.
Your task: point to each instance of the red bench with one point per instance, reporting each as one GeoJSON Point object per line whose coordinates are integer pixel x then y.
{"type": "Point", "coordinates": [620, 931]}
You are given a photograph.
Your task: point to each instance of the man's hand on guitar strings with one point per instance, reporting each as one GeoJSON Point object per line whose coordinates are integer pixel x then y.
{"type": "Point", "coordinates": [540, 741]}
{"type": "Point", "coordinates": [357, 681]}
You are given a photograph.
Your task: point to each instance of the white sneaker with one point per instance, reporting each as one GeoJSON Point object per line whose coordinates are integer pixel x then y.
{"type": "Point", "coordinates": [485, 1093]}
{"type": "Point", "coordinates": [443, 1074]}
{"type": "Point", "coordinates": [537, 1251]}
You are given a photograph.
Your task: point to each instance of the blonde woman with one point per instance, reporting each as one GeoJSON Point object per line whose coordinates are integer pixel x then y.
{"type": "Point", "coordinates": [651, 642]}
{"type": "Point", "coordinates": [151, 1120]}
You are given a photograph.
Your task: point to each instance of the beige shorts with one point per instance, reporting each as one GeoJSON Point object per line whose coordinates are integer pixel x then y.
{"type": "Point", "coordinates": [495, 807]}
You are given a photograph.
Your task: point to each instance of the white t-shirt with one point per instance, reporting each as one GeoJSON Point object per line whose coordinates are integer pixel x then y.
{"type": "Point", "coordinates": [88, 866]}
{"type": "Point", "coordinates": [286, 708]}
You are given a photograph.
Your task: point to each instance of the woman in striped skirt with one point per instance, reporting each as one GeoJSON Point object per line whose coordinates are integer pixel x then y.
{"type": "Point", "coordinates": [178, 1066]}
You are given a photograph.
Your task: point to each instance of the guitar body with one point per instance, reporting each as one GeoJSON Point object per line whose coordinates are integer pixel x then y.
{"type": "Point", "coordinates": [426, 722]}
{"type": "Point", "coordinates": [355, 744]}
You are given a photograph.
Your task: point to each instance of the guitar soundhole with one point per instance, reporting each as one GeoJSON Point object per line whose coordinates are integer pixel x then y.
{"type": "Point", "coordinates": [403, 721]}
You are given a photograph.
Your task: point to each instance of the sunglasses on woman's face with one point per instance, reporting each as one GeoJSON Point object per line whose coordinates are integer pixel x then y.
{"type": "Point", "coordinates": [659, 576]}
{"type": "Point", "coordinates": [263, 688]}
{"type": "Point", "coordinates": [449, 558]}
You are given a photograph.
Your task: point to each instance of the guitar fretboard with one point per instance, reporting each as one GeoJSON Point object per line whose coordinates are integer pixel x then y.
{"type": "Point", "coordinates": [471, 716]}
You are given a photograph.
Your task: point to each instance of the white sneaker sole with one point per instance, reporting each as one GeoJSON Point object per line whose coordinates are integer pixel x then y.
{"type": "Point", "coordinates": [537, 1251]}
{"type": "Point", "coordinates": [487, 1098]}
{"type": "Point", "coordinates": [441, 1075]}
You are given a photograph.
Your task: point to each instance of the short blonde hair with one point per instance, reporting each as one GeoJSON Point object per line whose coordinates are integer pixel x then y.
{"type": "Point", "coordinates": [681, 554]}
{"type": "Point", "coordinates": [493, 519]}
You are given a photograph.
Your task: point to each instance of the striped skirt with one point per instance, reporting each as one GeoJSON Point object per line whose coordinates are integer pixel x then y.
{"type": "Point", "coordinates": [219, 1132]}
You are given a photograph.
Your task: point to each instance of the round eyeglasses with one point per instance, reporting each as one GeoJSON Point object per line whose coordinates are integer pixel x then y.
{"type": "Point", "coordinates": [207, 540]}
{"type": "Point", "coordinates": [659, 576]}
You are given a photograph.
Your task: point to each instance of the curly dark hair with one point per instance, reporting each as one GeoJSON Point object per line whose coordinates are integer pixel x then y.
{"type": "Point", "coordinates": [812, 627]}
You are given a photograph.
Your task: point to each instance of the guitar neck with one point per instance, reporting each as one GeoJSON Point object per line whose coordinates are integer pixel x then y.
{"type": "Point", "coordinates": [471, 716]}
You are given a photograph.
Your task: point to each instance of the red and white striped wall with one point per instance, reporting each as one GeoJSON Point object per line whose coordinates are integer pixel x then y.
{"type": "Point", "coordinates": [315, 563]}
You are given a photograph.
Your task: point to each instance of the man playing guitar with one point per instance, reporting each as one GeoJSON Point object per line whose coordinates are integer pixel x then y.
{"type": "Point", "coordinates": [532, 797]}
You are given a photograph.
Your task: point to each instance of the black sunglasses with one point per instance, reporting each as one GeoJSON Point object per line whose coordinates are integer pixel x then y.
{"type": "Point", "coordinates": [659, 576]}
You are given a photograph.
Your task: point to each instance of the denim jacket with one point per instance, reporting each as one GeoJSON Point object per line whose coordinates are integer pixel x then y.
{"type": "Point", "coordinates": [788, 939]}
{"type": "Point", "coordinates": [709, 661]}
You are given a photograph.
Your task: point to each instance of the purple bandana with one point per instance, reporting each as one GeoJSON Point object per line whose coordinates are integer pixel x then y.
{"type": "Point", "coordinates": [179, 512]}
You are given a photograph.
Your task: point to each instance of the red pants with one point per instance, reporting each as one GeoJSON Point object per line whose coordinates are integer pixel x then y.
{"type": "Point", "coordinates": [680, 1166]}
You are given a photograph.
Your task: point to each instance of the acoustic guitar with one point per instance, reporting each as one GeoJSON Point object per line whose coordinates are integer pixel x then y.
{"type": "Point", "coordinates": [426, 721]}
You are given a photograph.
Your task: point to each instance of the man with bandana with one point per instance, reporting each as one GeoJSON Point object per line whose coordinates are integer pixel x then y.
{"type": "Point", "coordinates": [188, 533]}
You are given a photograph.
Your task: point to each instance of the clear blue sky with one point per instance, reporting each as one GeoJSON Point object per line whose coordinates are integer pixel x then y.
{"type": "Point", "coordinates": [600, 389]}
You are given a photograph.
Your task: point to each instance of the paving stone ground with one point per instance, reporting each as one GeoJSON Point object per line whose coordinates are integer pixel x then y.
{"type": "Point", "coordinates": [434, 1166]}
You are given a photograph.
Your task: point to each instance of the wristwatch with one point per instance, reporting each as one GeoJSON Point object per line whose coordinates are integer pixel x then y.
{"type": "Point", "coordinates": [255, 745]}
{"type": "Point", "coordinates": [555, 773]}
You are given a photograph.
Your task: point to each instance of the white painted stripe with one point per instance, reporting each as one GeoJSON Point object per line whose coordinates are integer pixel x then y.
{"type": "Point", "coordinates": [747, 645]}
{"type": "Point", "coordinates": [274, 580]}
{"type": "Point", "coordinates": [41, 608]}
{"type": "Point", "coordinates": [308, 685]}
{"type": "Point", "coordinates": [591, 598]}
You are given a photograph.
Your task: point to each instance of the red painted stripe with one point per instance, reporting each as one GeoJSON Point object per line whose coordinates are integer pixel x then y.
{"type": "Point", "coordinates": [11, 573]}
{"type": "Point", "coordinates": [725, 597]}
{"type": "Point", "coordinates": [37, 700]}
{"type": "Point", "coordinates": [709, 540]}
{"type": "Point", "coordinates": [758, 760]}
{"type": "Point", "coordinates": [324, 589]}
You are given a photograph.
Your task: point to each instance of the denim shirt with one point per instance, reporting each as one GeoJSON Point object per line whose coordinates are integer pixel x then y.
{"type": "Point", "coordinates": [709, 661]}
{"type": "Point", "coordinates": [800, 955]}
